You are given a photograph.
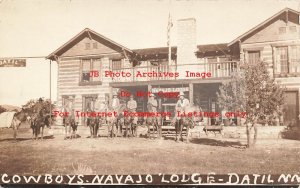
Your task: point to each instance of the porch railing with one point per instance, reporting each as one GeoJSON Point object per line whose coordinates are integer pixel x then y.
{"type": "Point", "coordinates": [216, 70]}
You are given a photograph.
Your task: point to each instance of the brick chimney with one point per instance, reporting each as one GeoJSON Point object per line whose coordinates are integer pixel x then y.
{"type": "Point", "coordinates": [186, 44]}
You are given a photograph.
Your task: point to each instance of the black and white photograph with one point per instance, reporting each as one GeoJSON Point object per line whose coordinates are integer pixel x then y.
{"type": "Point", "coordinates": [154, 92]}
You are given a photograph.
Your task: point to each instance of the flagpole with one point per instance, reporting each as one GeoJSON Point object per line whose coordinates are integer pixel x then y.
{"type": "Point", "coordinates": [50, 72]}
{"type": "Point", "coordinates": [170, 24]}
{"type": "Point", "coordinates": [170, 51]}
{"type": "Point", "coordinates": [299, 17]}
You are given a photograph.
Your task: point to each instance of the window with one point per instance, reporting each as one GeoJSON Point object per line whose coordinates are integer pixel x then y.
{"type": "Point", "coordinates": [253, 57]}
{"type": "Point", "coordinates": [88, 65]}
{"type": "Point", "coordinates": [282, 30]}
{"type": "Point", "coordinates": [293, 29]}
{"type": "Point", "coordinates": [281, 60]}
{"type": "Point", "coordinates": [95, 45]}
{"type": "Point", "coordinates": [87, 46]}
{"type": "Point", "coordinates": [294, 55]}
{"type": "Point", "coordinates": [116, 64]}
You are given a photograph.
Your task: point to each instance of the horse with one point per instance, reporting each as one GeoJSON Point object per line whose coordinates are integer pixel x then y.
{"type": "Point", "coordinates": [70, 126]}
{"type": "Point", "coordinates": [18, 118]}
{"type": "Point", "coordinates": [126, 121]}
{"type": "Point", "coordinates": [93, 123]}
{"type": "Point", "coordinates": [184, 121]}
{"type": "Point", "coordinates": [154, 121]}
{"type": "Point", "coordinates": [115, 121]}
{"type": "Point", "coordinates": [38, 122]}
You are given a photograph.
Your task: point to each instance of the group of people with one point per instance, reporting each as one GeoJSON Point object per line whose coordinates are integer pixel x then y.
{"type": "Point", "coordinates": [131, 106]}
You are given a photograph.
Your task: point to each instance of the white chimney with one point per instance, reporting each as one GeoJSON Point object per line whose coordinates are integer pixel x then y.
{"type": "Point", "coordinates": [187, 41]}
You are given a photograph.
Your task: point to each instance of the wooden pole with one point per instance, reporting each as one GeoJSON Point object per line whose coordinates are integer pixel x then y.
{"type": "Point", "coordinates": [50, 95]}
{"type": "Point", "coordinates": [191, 93]}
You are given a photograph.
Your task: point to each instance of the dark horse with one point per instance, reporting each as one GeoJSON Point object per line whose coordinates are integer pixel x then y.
{"type": "Point", "coordinates": [187, 122]}
{"type": "Point", "coordinates": [131, 128]}
{"type": "Point", "coordinates": [127, 122]}
{"type": "Point", "coordinates": [155, 122]}
{"type": "Point", "coordinates": [38, 122]}
{"type": "Point", "coordinates": [93, 123]}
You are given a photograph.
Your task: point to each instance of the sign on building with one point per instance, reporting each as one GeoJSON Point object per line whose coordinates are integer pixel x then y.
{"type": "Point", "coordinates": [7, 62]}
{"type": "Point", "coordinates": [178, 89]}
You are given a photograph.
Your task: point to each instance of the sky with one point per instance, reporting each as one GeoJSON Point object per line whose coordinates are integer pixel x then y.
{"type": "Point", "coordinates": [35, 28]}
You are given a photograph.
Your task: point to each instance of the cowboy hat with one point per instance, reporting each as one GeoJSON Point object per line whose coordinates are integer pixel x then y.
{"type": "Point", "coordinates": [181, 93]}
{"type": "Point", "coordinates": [152, 95]}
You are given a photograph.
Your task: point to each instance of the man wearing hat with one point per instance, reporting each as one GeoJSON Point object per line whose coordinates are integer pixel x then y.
{"type": "Point", "coordinates": [182, 103]}
{"type": "Point", "coordinates": [115, 103]}
{"type": "Point", "coordinates": [153, 102]}
{"type": "Point", "coordinates": [132, 105]}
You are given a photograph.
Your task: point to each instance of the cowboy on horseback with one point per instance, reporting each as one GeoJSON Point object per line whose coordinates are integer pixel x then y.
{"type": "Point", "coordinates": [182, 103]}
{"type": "Point", "coordinates": [181, 106]}
{"type": "Point", "coordinates": [152, 106]}
{"type": "Point", "coordinates": [132, 105]}
{"type": "Point", "coordinates": [113, 122]}
{"type": "Point", "coordinates": [38, 118]}
{"type": "Point", "coordinates": [153, 102]}
{"type": "Point", "coordinates": [115, 103]}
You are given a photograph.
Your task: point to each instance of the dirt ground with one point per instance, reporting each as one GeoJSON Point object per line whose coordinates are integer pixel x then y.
{"type": "Point", "coordinates": [54, 155]}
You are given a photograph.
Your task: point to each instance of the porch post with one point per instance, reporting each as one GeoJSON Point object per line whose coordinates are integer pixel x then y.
{"type": "Point", "coordinates": [149, 89]}
{"type": "Point", "coordinates": [191, 93]}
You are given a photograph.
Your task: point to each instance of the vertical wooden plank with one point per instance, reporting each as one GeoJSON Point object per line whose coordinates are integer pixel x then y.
{"type": "Point", "coordinates": [149, 89]}
{"type": "Point", "coordinates": [191, 93]}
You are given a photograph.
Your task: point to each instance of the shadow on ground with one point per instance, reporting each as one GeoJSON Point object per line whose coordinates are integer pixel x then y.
{"type": "Point", "coordinates": [214, 142]}
{"type": "Point", "coordinates": [24, 139]}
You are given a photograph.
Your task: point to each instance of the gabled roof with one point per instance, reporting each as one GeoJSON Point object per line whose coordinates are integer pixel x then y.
{"type": "Point", "coordinates": [91, 34]}
{"type": "Point", "coordinates": [263, 24]}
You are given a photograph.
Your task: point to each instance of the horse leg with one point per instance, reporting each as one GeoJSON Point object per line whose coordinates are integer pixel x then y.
{"type": "Point", "coordinates": [66, 130]}
{"type": "Point", "coordinates": [176, 130]}
{"type": "Point", "coordinates": [36, 132]}
{"type": "Point", "coordinates": [42, 132]}
{"type": "Point", "coordinates": [109, 127]}
{"type": "Point", "coordinates": [94, 129]}
{"type": "Point", "coordinates": [126, 132]}
{"type": "Point", "coordinates": [133, 129]}
{"type": "Point", "coordinates": [33, 130]}
{"type": "Point", "coordinates": [112, 129]}
{"type": "Point", "coordinates": [97, 129]}
{"type": "Point", "coordinates": [153, 128]}
{"type": "Point", "coordinates": [15, 133]}
{"type": "Point", "coordinates": [148, 132]}
{"type": "Point", "coordinates": [181, 128]}
{"type": "Point", "coordinates": [187, 133]}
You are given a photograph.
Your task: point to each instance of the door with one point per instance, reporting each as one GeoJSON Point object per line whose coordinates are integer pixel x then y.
{"type": "Point", "coordinates": [290, 108]}
{"type": "Point", "coordinates": [88, 105]}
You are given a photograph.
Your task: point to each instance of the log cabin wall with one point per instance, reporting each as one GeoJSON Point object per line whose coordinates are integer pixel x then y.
{"type": "Point", "coordinates": [70, 71]}
{"type": "Point", "coordinates": [279, 41]}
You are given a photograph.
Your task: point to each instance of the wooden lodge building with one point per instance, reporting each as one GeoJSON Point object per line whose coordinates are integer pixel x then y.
{"type": "Point", "coordinates": [275, 41]}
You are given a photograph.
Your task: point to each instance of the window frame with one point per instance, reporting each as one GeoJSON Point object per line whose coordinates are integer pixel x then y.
{"type": "Point", "coordinates": [253, 51]}
{"type": "Point", "coordinates": [289, 55]}
{"type": "Point", "coordinates": [91, 81]}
